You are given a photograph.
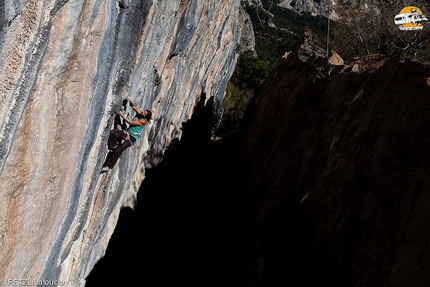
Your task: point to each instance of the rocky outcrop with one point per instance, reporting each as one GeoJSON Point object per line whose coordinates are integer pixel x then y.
{"type": "Point", "coordinates": [66, 67]}
{"type": "Point", "coordinates": [334, 172]}
{"type": "Point", "coordinates": [335, 59]}
{"type": "Point", "coordinates": [247, 42]}
{"type": "Point", "coordinates": [313, 7]}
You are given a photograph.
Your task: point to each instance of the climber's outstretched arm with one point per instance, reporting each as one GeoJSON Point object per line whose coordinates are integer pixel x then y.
{"type": "Point", "coordinates": [133, 106]}
{"type": "Point", "coordinates": [137, 122]}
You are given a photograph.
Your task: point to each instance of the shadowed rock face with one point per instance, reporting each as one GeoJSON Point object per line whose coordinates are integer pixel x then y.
{"type": "Point", "coordinates": [335, 175]}
{"type": "Point", "coordinates": [66, 67]}
{"type": "Point", "coordinates": [330, 189]}
{"type": "Point", "coordinates": [179, 232]}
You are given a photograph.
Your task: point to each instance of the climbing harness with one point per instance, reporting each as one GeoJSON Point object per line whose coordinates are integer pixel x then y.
{"type": "Point", "coordinates": [127, 137]}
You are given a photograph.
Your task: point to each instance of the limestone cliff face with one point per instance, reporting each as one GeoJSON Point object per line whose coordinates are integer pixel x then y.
{"type": "Point", "coordinates": [66, 67]}
{"type": "Point", "coordinates": [335, 174]}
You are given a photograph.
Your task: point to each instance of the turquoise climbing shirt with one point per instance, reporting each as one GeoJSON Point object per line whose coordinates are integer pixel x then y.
{"type": "Point", "coordinates": [134, 131]}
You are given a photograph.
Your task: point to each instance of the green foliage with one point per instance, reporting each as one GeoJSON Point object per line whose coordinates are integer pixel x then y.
{"type": "Point", "coordinates": [364, 29]}
{"type": "Point", "coordinates": [235, 102]}
{"type": "Point", "coordinates": [271, 44]}
{"type": "Point", "coordinates": [370, 29]}
{"type": "Point", "coordinates": [250, 72]}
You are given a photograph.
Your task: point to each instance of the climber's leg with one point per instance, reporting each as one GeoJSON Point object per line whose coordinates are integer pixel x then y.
{"type": "Point", "coordinates": [115, 138]}
{"type": "Point", "coordinates": [114, 155]}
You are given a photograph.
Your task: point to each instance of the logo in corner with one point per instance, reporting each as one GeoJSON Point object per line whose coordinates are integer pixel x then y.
{"type": "Point", "coordinates": [410, 18]}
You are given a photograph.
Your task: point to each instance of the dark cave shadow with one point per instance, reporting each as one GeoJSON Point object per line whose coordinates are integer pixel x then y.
{"type": "Point", "coordinates": [181, 229]}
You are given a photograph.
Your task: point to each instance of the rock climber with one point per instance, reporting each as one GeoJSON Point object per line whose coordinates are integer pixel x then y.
{"type": "Point", "coordinates": [120, 140]}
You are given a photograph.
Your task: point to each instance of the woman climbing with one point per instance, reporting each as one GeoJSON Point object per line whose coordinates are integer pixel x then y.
{"type": "Point", "coordinates": [120, 140]}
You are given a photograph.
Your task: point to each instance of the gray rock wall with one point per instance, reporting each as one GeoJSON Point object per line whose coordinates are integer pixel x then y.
{"type": "Point", "coordinates": [66, 67]}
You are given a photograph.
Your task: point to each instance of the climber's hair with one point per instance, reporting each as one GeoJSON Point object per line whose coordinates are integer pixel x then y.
{"type": "Point", "coordinates": [148, 115]}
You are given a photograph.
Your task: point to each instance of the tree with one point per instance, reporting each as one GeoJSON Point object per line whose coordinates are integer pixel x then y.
{"type": "Point", "coordinates": [250, 71]}
{"type": "Point", "coordinates": [367, 27]}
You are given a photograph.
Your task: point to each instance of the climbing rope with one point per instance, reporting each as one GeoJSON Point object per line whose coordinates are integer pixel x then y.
{"type": "Point", "coordinates": [328, 27]}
